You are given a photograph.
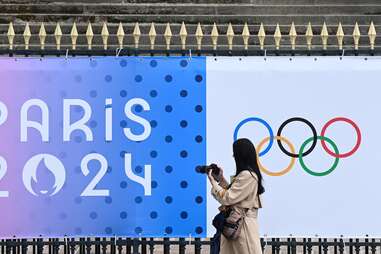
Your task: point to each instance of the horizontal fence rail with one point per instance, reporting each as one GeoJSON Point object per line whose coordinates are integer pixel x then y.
{"type": "Point", "coordinates": [178, 38]}
{"type": "Point", "coordinates": [184, 245]}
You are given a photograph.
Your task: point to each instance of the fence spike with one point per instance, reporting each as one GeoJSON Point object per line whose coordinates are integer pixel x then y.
{"type": "Point", "coordinates": [230, 36]}
{"type": "Point", "coordinates": [277, 36]}
{"type": "Point", "coordinates": [340, 36]}
{"type": "Point", "coordinates": [324, 36]}
{"type": "Point", "coordinates": [293, 36]}
{"type": "Point", "coordinates": [120, 35]}
{"type": "Point", "coordinates": [372, 35]}
{"type": "Point", "coordinates": [136, 34]}
{"type": "Point", "coordinates": [89, 35]}
{"type": "Point", "coordinates": [261, 36]}
{"type": "Point", "coordinates": [168, 36]}
{"type": "Point", "coordinates": [183, 35]}
{"type": "Point", "coordinates": [74, 36]}
{"type": "Point", "coordinates": [152, 35]}
{"type": "Point", "coordinates": [199, 35]}
{"type": "Point", "coordinates": [11, 35]}
{"type": "Point", "coordinates": [356, 36]}
{"type": "Point", "coordinates": [27, 34]}
{"type": "Point", "coordinates": [214, 36]}
{"type": "Point", "coordinates": [246, 36]}
{"type": "Point", "coordinates": [58, 36]}
{"type": "Point", "coordinates": [309, 36]}
{"type": "Point", "coordinates": [104, 34]}
{"type": "Point", "coordinates": [42, 35]}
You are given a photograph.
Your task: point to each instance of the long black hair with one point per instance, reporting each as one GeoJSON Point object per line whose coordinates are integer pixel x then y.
{"type": "Point", "coordinates": [246, 159]}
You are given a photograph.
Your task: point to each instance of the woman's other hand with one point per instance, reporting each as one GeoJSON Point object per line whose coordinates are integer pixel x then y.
{"type": "Point", "coordinates": [212, 180]}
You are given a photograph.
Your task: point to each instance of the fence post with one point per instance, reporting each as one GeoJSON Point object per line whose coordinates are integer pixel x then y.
{"type": "Point", "coordinates": [289, 246]}
{"type": "Point", "coordinates": [151, 245]}
{"type": "Point", "coordinates": [40, 246]}
{"type": "Point", "coordinates": [341, 246]}
{"type": "Point", "coordinates": [128, 245]}
{"type": "Point", "coordinates": [112, 245]}
{"type": "Point", "coordinates": [325, 246]}
{"type": "Point", "coordinates": [276, 245]}
{"type": "Point", "coordinates": [373, 246]}
{"type": "Point", "coordinates": [293, 245]}
{"type": "Point", "coordinates": [135, 246]}
{"type": "Point", "coordinates": [144, 245]}
{"type": "Point", "coordinates": [351, 246]}
{"type": "Point", "coordinates": [357, 246]}
{"type": "Point", "coordinates": [335, 246]}
{"type": "Point", "coordinates": [182, 245]}
{"type": "Point", "coordinates": [104, 245]}
{"type": "Point", "coordinates": [119, 245]}
{"type": "Point", "coordinates": [88, 245]}
{"type": "Point", "coordinates": [197, 246]}
{"type": "Point", "coordinates": [56, 246]}
{"type": "Point", "coordinates": [24, 246]}
{"type": "Point", "coordinates": [166, 245]}
{"type": "Point", "coordinates": [97, 245]}
{"type": "Point", "coordinates": [309, 246]}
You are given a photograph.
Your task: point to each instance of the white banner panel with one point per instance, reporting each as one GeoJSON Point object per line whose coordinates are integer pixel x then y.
{"type": "Point", "coordinates": [327, 191]}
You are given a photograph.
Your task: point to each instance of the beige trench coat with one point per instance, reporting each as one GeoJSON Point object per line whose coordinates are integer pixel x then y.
{"type": "Point", "coordinates": [241, 194]}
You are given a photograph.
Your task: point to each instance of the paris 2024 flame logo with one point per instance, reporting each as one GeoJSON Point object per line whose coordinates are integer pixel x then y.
{"type": "Point", "coordinates": [51, 163]}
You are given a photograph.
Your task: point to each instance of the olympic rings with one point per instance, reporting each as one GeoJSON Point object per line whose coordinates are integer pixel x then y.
{"type": "Point", "coordinates": [283, 171]}
{"type": "Point", "coordinates": [270, 139]}
{"type": "Point", "coordinates": [358, 133]}
{"type": "Point", "coordinates": [309, 171]}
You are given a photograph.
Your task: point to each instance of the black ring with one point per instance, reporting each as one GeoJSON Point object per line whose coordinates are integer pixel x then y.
{"type": "Point", "coordinates": [297, 119]}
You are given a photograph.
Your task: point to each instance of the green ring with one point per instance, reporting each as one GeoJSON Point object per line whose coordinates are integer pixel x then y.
{"type": "Point", "coordinates": [309, 171]}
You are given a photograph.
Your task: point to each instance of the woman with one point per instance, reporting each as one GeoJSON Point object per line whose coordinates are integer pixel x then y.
{"type": "Point", "coordinates": [243, 196]}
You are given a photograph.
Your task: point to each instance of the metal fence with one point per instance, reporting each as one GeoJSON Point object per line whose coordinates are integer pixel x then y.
{"type": "Point", "coordinates": [183, 245]}
{"type": "Point", "coordinates": [243, 37]}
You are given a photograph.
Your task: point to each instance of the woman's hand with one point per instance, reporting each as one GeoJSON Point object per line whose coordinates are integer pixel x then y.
{"type": "Point", "coordinates": [211, 178]}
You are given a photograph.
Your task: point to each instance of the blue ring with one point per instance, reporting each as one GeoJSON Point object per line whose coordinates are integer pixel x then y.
{"type": "Point", "coordinates": [256, 119]}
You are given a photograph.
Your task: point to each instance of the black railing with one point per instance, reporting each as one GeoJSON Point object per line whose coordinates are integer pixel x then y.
{"type": "Point", "coordinates": [181, 245]}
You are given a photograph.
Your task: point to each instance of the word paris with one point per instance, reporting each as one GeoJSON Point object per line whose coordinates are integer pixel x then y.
{"type": "Point", "coordinates": [53, 164]}
{"type": "Point", "coordinates": [80, 124]}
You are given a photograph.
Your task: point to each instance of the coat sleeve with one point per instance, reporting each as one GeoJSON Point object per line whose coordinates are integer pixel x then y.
{"type": "Point", "coordinates": [242, 186]}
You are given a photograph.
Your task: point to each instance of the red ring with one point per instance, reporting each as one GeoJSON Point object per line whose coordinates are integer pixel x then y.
{"type": "Point", "coordinates": [358, 132]}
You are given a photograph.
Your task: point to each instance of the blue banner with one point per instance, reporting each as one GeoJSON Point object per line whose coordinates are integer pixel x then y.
{"type": "Point", "coordinates": [102, 146]}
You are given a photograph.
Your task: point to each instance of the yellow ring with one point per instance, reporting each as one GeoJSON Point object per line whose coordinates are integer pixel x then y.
{"type": "Point", "coordinates": [283, 171]}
